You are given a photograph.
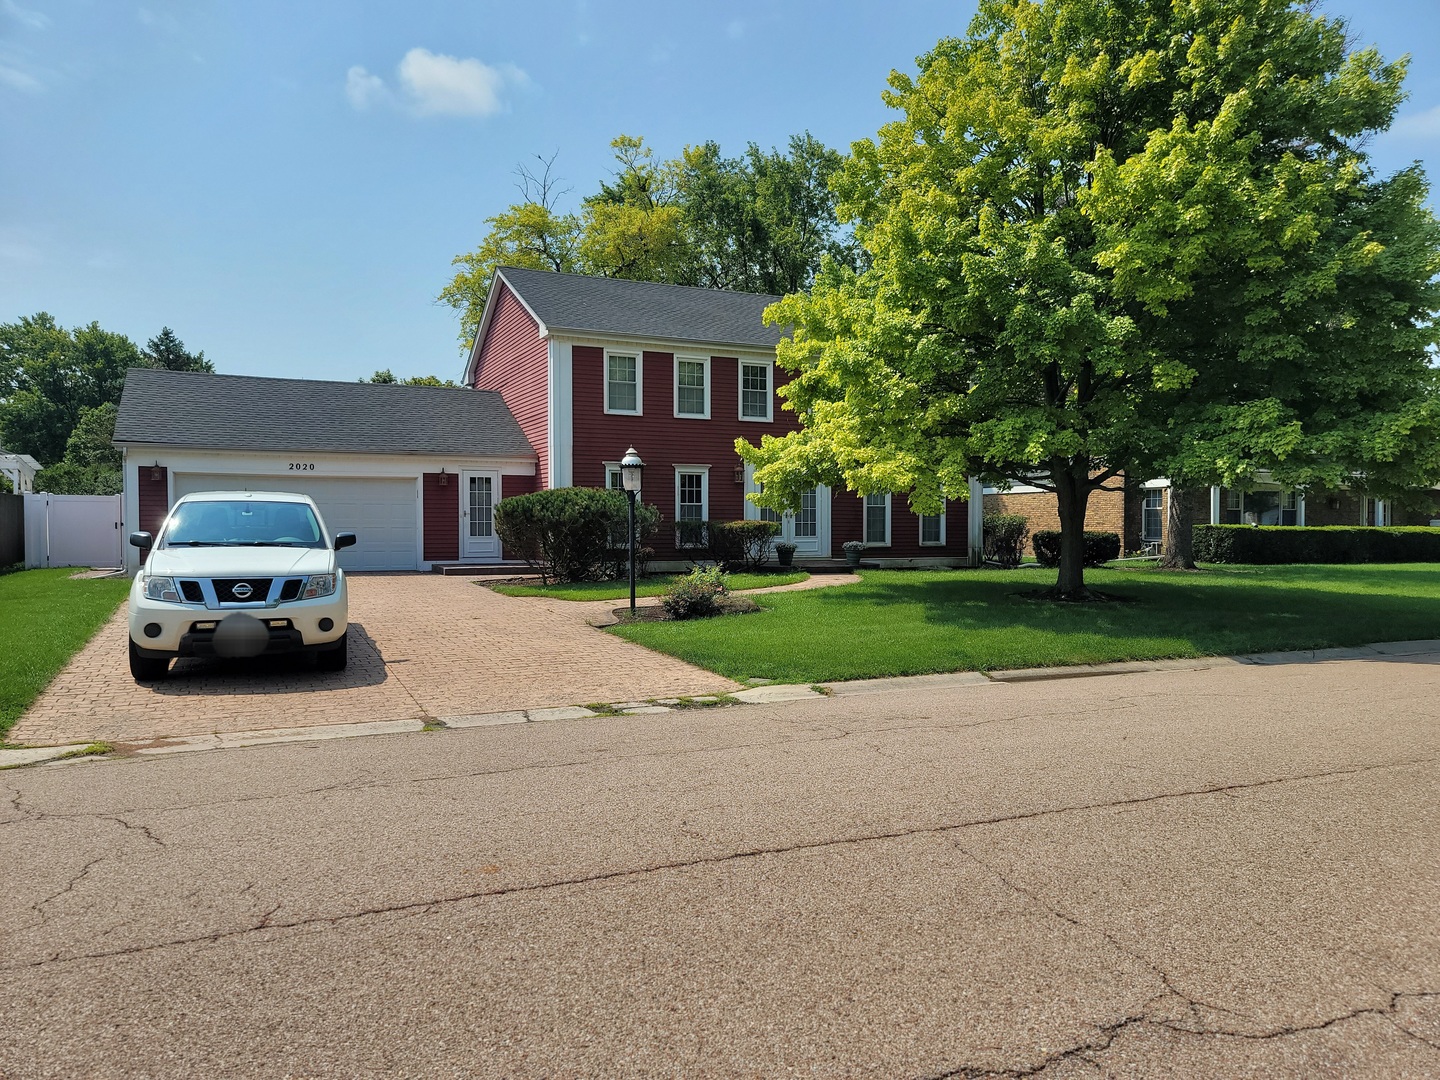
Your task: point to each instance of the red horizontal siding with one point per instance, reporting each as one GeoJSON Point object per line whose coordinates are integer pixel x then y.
{"type": "Point", "coordinates": [154, 496]}
{"type": "Point", "coordinates": [664, 440]}
{"type": "Point", "coordinates": [442, 517]}
{"type": "Point", "coordinates": [518, 485]}
{"type": "Point", "coordinates": [847, 523]}
{"type": "Point", "coordinates": [514, 359]}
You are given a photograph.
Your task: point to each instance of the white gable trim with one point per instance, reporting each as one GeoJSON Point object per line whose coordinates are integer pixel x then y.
{"type": "Point", "coordinates": [485, 322]}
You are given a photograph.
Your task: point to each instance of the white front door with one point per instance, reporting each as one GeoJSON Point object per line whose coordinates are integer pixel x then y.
{"type": "Point", "coordinates": [478, 494]}
{"type": "Point", "coordinates": [807, 527]}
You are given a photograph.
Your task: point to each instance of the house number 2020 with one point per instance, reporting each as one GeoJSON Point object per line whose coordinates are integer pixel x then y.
{"type": "Point", "coordinates": [302, 466]}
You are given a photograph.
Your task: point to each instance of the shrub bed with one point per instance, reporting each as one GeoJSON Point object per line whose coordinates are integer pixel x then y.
{"type": "Point", "coordinates": [1100, 547]}
{"type": "Point", "coordinates": [1278, 544]}
{"type": "Point", "coordinates": [570, 534]}
{"type": "Point", "coordinates": [734, 546]}
{"type": "Point", "coordinates": [1005, 538]}
{"type": "Point", "coordinates": [696, 595]}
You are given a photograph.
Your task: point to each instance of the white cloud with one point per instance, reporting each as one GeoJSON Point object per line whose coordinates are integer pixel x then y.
{"type": "Point", "coordinates": [433, 84]}
{"type": "Point", "coordinates": [1421, 125]}
{"type": "Point", "coordinates": [364, 89]}
{"type": "Point", "coordinates": [18, 80]}
{"type": "Point", "coordinates": [34, 19]}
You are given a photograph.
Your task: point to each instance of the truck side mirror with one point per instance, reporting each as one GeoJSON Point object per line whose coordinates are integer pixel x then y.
{"type": "Point", "coordinates": [142, 540]}
{"type": "Point", "coordinates": [344, 540]}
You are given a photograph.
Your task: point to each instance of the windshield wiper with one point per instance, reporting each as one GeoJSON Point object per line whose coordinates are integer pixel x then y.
{"type": "Point", "coordinates": [197, 543]}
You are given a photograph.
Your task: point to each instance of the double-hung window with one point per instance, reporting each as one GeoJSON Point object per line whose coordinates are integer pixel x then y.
{"type": "Point", "coordinates": [692, 387]}
{"type": "Point", "coordinates": [932, 530]}
{"type": "Point", "coordinates": [1152, 515]}
{"type": "Point", "coordinates": [877, 520]}
{"type": "Point", "coordinates": [692, 502]}
{"type": "Point", "coordinates": [622, 383]}
{"type": "Point", "coordinates": [754, 391]}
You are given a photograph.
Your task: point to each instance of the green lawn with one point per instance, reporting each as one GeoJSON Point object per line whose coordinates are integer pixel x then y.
{"type": "Point", "coordinates": [915, 622]}
{"type": "Point", "coordinates": [45, 618]}
{"type": "Point", "coordinates": [650, 585]}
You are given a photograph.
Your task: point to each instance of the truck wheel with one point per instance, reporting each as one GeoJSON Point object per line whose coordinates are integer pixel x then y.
{"type": "Point", "coordinates": [147, 669]}
{"type": "Point", "coordinates": [334, 659]}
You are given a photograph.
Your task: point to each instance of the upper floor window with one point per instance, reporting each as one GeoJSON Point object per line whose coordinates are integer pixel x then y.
{"type": "Point", "coordinates": [692, 387]}
{"type": "Point", "coordinates": [622, 383]}
{"type": "Point", "coordinates": [877, 520]}
{"type": "Point", "coordinates": [754, 391]}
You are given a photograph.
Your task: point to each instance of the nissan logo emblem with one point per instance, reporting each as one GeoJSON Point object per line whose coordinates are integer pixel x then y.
{"type": "Point", "coordinates": [242, 590]}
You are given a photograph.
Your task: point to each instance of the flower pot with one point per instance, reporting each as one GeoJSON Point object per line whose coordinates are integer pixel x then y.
{"type": "Point", "coordinates": [784, 557]}
{"type": "Point", "coordinates": [852, 558]}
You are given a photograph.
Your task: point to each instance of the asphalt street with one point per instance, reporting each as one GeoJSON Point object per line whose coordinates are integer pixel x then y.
{"type": "Point", "coordinates": [1232, 872]}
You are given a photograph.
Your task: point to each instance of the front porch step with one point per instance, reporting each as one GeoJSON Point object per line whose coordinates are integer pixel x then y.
{"type": "Point", "coordinates": [506, 569]}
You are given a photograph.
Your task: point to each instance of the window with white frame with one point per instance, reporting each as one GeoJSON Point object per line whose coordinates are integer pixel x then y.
{"type": "Point", "coordinates": [877, 520]}
{"type": "Point", "coordinates": [692, 387]}
{"type": "Point", "coordinates": [692, 502]}
{"type": "Point", "coordinates": [754, 391]}
{"type": "Point", "coordinates": [1232, 499]}
{"type": "Point", "coordinates": [807, 517]}
{"type": "Point", "coordinates": [622, 383]}
{"type": "Point", "coordinates": [613, 479]}
{"type": "Point", "coordinates": [932, 530]}
{"type": "Point", "coordinates": [1152, 516]}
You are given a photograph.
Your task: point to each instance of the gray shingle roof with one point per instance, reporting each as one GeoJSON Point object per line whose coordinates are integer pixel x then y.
{"type": "Point", "coordinates": [243, 412]}
{"type": "Point", "coordinates": [575, 303]}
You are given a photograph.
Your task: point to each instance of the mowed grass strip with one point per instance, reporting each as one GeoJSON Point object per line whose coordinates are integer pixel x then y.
{"type": "Point", "coordinates": [45, 618]}
{"type": "Point", "coordinates": [650, 585]}
{"type": "Point", "coordinates": [918, 622]}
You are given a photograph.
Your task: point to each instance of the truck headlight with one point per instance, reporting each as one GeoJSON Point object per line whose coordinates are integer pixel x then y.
{"type": "Point", "coordinates": [318, 585]}
{"type": "Point", "coordinates": [161, 588]}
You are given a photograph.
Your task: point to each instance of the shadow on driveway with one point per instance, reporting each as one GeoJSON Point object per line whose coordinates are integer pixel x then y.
{"type": "Point", "coordinates": [195, 676]}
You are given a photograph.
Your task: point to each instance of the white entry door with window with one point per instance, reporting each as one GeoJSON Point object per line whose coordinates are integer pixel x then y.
{"type": "Point", "coordinates": [807, 527]}
{"type": "Point", "coordinates": [479, 492]}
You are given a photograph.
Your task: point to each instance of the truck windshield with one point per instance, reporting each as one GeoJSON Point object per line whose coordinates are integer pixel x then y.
{"type": "Point", "coordinates": [243, 524]}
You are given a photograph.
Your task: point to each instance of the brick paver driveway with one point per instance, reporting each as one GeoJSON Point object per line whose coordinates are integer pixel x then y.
{"type": "Point", "coordinates": [421, 646]}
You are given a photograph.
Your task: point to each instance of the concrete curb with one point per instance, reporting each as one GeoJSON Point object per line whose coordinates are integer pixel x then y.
{"type": "Point", "coordinates": [756, 695]}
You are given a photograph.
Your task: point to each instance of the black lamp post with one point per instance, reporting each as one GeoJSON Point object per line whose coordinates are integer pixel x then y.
{"type": "Point", "coordinates": [631, 467]}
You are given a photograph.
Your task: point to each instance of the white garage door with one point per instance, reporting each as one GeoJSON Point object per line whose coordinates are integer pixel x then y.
{"type": "Point", "coordinates": [381, 513]}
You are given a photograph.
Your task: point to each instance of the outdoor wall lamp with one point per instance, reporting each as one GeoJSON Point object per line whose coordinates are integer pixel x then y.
{"type": "Point", "coordinates": [444, 479]}
{"type": "Point", "coordinates": [155, 471]}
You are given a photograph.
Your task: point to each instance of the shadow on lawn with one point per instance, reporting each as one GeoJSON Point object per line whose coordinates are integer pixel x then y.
{"type": "Point", "coordinates": [1220, 614]}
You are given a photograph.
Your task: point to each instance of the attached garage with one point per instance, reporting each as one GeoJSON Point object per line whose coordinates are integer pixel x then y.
{"type": "Point", "coordinates": [414, 472]}
{"type": "Point", "coordinates": [379, 511]}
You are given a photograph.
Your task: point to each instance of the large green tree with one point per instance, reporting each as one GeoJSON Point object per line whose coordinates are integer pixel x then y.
{"type": "Point", "coordinates": [167, 351]}
{"type": "Point", "coordinates": [762, 222]}
{"type": "Point", "coordinates": [1119, 236]}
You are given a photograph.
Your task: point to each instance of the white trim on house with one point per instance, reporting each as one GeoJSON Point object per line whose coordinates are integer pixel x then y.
{"type": "Point", "coordinates": [484, 327]}
{"type": "Point", "coordinates": [865, 520]}
{"type": "Point", "coordinates": [560, 410]}
{"type": "Point", "coordinates": [704, 361]}
{"type": "Point", "coordinates": [638, 355]}
{"type": "Point", "coordinates": [975, 523]}
{"type": "Point", "coordinates": [769, 365]}
{"type": "Point", "coordinates": [626, 342]}
{"type": "Point", "coordinates": [476, 549]}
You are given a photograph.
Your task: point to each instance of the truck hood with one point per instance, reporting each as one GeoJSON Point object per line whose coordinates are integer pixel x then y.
{"type": "Point", "coordinates": [237, 562]}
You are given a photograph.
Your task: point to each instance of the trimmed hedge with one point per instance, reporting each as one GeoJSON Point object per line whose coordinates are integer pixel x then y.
{"type": "Point", "coordinates": [568, 534]}
{"type": "Point", "coordinates": [1276, 544]}
{"type": "Point", "coordinates": [1100, 547]}
{"type": "Point", "coordinates": [732, 545]}
{"type": "Point", "coordinates": [1005, 538]}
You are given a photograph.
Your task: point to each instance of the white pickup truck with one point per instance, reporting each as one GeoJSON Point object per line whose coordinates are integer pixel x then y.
{"type": "Point", "coordinates": [237, 574]}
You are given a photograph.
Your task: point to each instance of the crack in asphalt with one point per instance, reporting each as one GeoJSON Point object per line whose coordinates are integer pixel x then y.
{"type": "Point", "coordinates": [1107, 1034]}
{"type": "Point", "coordinates": [420, 906]}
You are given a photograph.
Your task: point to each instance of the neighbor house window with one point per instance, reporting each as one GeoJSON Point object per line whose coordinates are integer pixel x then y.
{"type": "Point", "coordinates": [877, 520]}
{"type": "Point", "coordinates": [692, 501]}
{"type": "Point", "coordinates": [1152, 516]}
{"type": "Point", "coordinates": [754, 391]}
{"type": "Point", "coordinates": [1289, 508]}
{"type": "Point", "coordinates": [622, 383]}
{"type": "Point", "coordinates": [1232, 499]}
{"type": "Point", "coordinates": [692, 388]}
{"type": "Point", "coordinates": [932, 530]}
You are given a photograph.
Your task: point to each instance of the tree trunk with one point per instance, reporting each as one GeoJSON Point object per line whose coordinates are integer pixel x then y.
{"type": "Point", "coordinates": [1073, 496]}
{"type": "Point", "coordinates": [1179, 553]}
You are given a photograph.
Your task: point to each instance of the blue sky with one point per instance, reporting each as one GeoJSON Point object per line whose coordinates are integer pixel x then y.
{"type": "Point", "coordinates": [285, 184]}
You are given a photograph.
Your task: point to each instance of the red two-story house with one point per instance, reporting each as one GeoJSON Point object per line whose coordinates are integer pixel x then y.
{"type": "Point", "coordinates": [589, 366]}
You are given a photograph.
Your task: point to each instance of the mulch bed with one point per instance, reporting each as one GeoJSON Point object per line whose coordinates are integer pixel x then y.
{"type": "Point", "coordinates": [729, 605]}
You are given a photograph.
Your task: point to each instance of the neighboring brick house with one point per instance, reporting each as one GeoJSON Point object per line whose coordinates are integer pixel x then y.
{"type": "Point", "coordinates": [1140, 512]}
{"type": "Point", "coordinates": [590, 366]}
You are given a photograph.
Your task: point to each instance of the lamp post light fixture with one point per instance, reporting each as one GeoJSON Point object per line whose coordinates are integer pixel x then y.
{"type": "Point", "coordinates": [631, 469]}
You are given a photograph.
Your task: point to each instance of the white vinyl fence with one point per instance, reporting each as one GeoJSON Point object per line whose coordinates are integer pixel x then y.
{"type": "Point", "coordinates": [73, 530]}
